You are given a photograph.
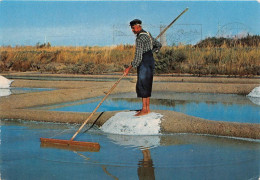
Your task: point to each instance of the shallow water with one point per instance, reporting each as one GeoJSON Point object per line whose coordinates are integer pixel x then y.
{"type": "Point", "coordinates": [178, 156]}
{"type": "Point", "coordinates": [219, 107]}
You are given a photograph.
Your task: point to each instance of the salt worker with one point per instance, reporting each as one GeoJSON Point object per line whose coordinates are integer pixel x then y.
{"type": "Point", "coordinates": [144, 62]}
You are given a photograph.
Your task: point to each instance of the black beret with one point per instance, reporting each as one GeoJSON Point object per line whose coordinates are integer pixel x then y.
{"type": "Point", "coordinates": [135, 21]}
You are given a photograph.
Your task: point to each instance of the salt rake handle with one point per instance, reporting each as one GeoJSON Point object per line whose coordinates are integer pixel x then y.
{"type": "Point", "coordinates": [165, 29]}
{"type": "Point", "coordinates": [112, 88]}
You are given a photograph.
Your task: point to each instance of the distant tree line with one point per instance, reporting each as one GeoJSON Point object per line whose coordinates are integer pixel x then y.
{"type": "Point", "coordinates": [44, 45]}
{"type": "Point", "coordinates": [249, 40]}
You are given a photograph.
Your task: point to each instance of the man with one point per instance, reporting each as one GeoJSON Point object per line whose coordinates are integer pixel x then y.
{"type": "Point", "coordinates": [144, 62]}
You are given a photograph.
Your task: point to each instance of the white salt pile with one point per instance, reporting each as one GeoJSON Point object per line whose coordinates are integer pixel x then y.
{"type": "Point", "coordinates": [254, 95]}
{"type": "Point", "coordinates": [255, 92]}
{"type": "Point", "coordinates": [123, 125]}
{"type": "Point", "coordinates": [5, 83]}
{"type": "Point", "coordinates": [126, 123]}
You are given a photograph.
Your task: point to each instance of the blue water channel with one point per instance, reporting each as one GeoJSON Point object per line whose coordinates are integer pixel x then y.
{"type": "Point", "coordinates": [218, 107]}
{"type": "Point", "coordinates": [176, 156]}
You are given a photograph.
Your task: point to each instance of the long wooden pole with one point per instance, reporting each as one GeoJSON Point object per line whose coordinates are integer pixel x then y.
{"type": "Point", "coordinates": [165, 29]}
{"type": "Point", "coordinates": [112, 88]}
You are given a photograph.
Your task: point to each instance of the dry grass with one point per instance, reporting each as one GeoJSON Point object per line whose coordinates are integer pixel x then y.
{"type": "Point", "coordinates": [234, 61]}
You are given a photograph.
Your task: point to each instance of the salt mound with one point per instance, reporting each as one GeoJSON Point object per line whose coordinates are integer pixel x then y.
{"type": "Point", "coordinates": [255, 92]}
{"type": "Point", "coordinates": [127, 124]}
{"type": "Point", "coordinates": [5, 83]}
{"type": "Point", "coordinates": [254, 96]}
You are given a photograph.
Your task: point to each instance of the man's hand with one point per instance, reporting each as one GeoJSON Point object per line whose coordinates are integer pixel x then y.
{"type": "Point", "coordinates": [126, 71]}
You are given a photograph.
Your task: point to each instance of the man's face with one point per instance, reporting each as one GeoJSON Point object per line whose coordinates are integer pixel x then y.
{"type": "Point", "coordinates": [136, 28]}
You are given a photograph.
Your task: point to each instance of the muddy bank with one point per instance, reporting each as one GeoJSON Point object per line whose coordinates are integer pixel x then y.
{"type": "Point", "coordinates": [172, 122]}
{"type": "Point", "coordinates": [17, 106]}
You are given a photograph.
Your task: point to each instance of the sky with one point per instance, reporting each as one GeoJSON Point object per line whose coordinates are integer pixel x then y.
{"type": "Point", "coordinates": [106, 23]}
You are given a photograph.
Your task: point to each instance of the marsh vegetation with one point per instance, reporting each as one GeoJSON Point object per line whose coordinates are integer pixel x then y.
{"type": "Point", "coordinates": [212, 56]}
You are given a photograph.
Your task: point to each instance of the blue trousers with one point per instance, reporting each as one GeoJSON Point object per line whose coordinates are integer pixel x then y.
{"type": "Point", "coordinates": [145, 73]}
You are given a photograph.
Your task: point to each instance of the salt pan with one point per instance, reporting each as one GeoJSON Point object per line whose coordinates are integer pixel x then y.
{"type": "Point", "coordinates": [126, 123]}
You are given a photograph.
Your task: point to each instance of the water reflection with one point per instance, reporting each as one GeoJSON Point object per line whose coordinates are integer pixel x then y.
{"type": "Point", "coordinates": [255, 100]}
{"type": "Point", "coordinates": [145, 166]}
{"type": "Point", "coordinates": [5, 92]}
{"type": "Point", "coordinates": [167, 156]}
{"type": "Point", "coordinates": [153, 141]}
{"type": "Point", "coordinates": [135, 141]}
{"type": "Point", "coordinates": [199, 154]}
{"type": "Point", "coordinates": [145, 170]}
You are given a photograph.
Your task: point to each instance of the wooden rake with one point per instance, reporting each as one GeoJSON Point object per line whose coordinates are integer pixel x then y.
{"type": "Point", "coordinates": [71, 144]}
